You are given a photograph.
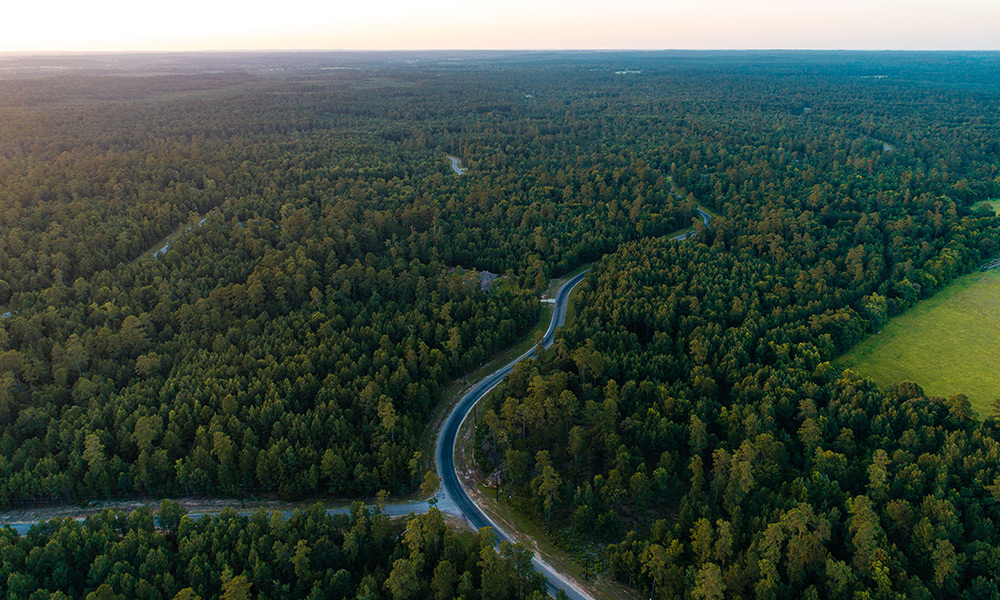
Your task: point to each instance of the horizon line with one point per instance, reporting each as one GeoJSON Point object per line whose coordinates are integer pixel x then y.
{"type": "Point", "coordinates": [418, 50]}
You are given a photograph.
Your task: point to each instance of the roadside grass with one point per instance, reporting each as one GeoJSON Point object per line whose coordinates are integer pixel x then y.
{"type": "Point", "coordinates": [159, 244]}
{"type": "Point", "coordinates": [677, 232]}
{"type": "Point", "coordinates": [570, 556]}
{"type": "Point", "coordinates": [709, 211]}
{"type": "Point", "coordinates": [948, 344]}
{"type": "Point", "coordinates": [573, 297]}
{"type": "Point", "coordinates": [555, 284]}
{"type": "Point", "coordinates": [191, 504]}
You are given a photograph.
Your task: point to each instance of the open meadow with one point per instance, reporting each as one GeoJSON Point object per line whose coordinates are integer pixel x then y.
{"type": "Point", "coordinates": [948, 344]}
{"type": "Point", "coordinates": [994, 204]}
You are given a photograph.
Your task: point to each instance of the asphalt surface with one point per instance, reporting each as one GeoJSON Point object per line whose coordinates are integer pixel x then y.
{"type": "Point", "coordinates": [704, 217]}
{"type": "Point", "coordinates": [451, 488]}
{"type": "Point", "coordinates": [452, 497]}
{"type": "Point", "coordinates": [454, 165]}
{"type": "Point", "coordinates": [452, 493]}
{"type": "Point", "coordinates": [392, 509]}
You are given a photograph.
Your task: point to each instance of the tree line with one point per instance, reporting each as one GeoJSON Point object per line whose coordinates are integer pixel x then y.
{"type": "Point", "coordinates": [690, 422]}
{"type": "Point", "coordinates": [317, 297]}
{"type": "Point", "coordinates": [311, 554]}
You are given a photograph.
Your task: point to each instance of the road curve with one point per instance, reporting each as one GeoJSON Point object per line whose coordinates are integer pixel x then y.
{"type": "Point", "coordinates": [451, 487]}
{"type": "Point", "coordinates": [452, 492]}
{"type": "Point", "coordinates": [452, 497]}
{"type": "Point", "coordinates": [455, 162]}
{"type": "Point", "coordinates": [704, 217]}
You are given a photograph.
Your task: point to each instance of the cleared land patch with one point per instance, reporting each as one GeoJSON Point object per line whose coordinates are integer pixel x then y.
{"type": "Point", "coordinates": [948, 344]}
{"type": "Point", "coordinates": [994, 204]}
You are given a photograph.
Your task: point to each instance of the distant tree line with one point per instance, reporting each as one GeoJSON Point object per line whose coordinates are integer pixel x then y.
{"type": "Point", "coordinates": [314, 303]}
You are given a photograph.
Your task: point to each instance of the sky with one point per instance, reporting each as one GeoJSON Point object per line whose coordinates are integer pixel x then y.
{"type": "Point", "coordinates": [182, 25]}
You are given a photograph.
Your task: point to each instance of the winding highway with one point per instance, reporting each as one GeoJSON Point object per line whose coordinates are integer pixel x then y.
{"type": "Point", "coordinates": [452, 490]}
{"type": "Point", "coordinates": [452, 497]}
{"type": "Point", "coordinates": [455, 162]}
{"type": "Point", "coordinates": [453, 493]}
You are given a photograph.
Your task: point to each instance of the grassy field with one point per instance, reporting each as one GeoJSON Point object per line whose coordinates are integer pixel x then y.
{"type": "Point", "coordinates": [948, 344]}
{"type": "Point", "coordinates": [994, 204]}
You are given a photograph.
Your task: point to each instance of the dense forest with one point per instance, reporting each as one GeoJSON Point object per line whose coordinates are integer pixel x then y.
{"type": "Point", "coordinates": [319, 291]}
{"type": "Point", "coordinates": [136, 556]}
{"type": "Point", "coordinates": [690, 418]}
{"type": "Point", "coordinates": [297, 333]}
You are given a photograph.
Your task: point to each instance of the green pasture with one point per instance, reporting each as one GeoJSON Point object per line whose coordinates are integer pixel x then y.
{"type": "Point", "coordinates": [948, 344]}
{"type": "Point", "coordinates": [994, 204]}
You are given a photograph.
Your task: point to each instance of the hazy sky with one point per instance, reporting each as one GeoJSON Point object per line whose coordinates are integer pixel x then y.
{"type": "Point", "coordinates": [79, 25]}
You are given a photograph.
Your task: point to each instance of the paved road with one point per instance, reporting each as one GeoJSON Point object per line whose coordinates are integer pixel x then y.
{"type": "Point", "coordinates": [452, 491]}
{"type": "Point", "coordinates": [392, 509]}
{"type": "Point", "coordinates": [452, 497]}
{"type": "Point", "coordinates": [704, 217]}
{"type": "Point", "coordinates": [454, 165]}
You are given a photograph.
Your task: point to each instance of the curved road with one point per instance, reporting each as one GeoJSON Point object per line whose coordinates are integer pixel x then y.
{"type": "Point", "coordinates": [444, 455]}
{"type": "Point", "coordinates": [452, 497]}
{"type": "Point", "coordinates": [455, 162]}
{"type": "Point", "coordinates": [452, 492]}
